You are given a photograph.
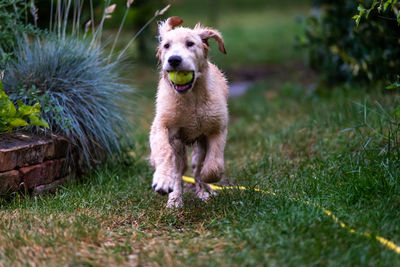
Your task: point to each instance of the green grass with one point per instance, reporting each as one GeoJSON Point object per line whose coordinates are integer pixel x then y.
{"type": "Point", "coordinates": [296, 143]}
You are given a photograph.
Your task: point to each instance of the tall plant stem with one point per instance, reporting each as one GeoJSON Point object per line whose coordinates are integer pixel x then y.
{"type": "Point", "coordinates": [98, 32]}
{"type": "Point", "coordinates": [135, 36]}
{"type": "Point", "coordinates": [118, 33]}
{"type": "Point", "coordinates": [66, 18]}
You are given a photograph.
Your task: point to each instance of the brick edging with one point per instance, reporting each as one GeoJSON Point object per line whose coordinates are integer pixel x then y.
{"type": "Point", "coordinates": [33, 163]}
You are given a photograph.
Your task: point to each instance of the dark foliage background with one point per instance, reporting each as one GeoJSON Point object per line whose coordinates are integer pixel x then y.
{"type": "Point", "coordinates": [14, 23]}
{"type": "Point", "coordinates": [340, 51]}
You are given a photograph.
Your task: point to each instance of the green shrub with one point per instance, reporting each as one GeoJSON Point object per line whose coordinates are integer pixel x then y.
{"type": "Point", "coordinates": [343, 52]}
{"type": "Point", "coordinates": [14, 24]}
{"type": "Point", "coordinates": [366, 7]}
{"type": "Point", "coordinates": [11, 117]}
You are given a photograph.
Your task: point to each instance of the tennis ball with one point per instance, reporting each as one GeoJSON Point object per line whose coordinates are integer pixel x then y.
{"type": "Point", "coordinates": [180, 77]}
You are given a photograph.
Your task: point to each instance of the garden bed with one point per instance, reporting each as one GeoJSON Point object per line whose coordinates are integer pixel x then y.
{"type": "Point", "coordinates": [33, 163]}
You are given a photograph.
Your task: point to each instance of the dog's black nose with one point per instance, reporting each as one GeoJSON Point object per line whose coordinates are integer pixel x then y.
{"type": "Point", "coordinates": [174, 61]}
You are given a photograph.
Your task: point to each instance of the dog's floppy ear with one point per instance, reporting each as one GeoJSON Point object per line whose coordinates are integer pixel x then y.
{"type": "Point", "coordinates": [207, 33]}
{"type": "Point", "coordinates": [169, 24]}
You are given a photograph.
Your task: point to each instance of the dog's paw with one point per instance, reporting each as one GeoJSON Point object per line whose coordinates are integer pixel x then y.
{"type": "Point", "coordinates": [163, 184]}
{"type": "Point", "coordinates": [175, 203]}
{"type": "Point", "coordinates": [204, 191]}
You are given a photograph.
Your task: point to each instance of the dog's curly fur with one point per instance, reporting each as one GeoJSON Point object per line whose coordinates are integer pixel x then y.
{"type": "Point", "coordinates": [198, 116]}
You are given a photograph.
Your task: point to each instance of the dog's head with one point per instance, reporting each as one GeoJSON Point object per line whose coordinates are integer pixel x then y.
{"type": "Point", "coordinates": [185, 49]}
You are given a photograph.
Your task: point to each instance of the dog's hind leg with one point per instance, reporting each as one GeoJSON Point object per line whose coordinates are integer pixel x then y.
{"type": "Point", "coordinates": [202, 190]}
{"type": "Point", "coordinates": [213, 165]}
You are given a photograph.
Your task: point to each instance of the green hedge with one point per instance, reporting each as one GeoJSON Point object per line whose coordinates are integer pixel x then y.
{"type": "Point", "coordinates": [341, 51]}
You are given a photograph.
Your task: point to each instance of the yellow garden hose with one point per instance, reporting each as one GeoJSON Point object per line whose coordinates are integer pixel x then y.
{"type": "Point", "coordinates": [385, 242]}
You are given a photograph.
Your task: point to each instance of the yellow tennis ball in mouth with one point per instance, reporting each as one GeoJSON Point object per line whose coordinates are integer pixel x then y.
{"type": "Point", "coordinates": [180, 77]}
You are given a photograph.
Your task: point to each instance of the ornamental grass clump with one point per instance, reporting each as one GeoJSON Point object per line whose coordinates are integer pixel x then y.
{"type": "Point", "coordinates": [82, 95]}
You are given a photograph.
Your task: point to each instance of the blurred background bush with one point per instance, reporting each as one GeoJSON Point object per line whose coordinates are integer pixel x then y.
{"type": "Point", "coordinates": [341, 51]}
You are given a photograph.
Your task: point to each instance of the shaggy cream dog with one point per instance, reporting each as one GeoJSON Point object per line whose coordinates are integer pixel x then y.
{"type": "Point", "coordinates": [195, 113]}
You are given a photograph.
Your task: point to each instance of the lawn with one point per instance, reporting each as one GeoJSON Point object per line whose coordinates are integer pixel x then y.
{"type": "Point", "coordinates": [336, 147]}
{"type": "Point", "coordinates": [332, 150]}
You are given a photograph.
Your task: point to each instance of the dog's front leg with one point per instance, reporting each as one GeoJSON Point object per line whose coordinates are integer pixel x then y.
{"type": "Point", "coordinates": [213, 166]}
{"type": "Point", "coordinates": [180, 165]}
{"type": "Point", "coordinates": [167, 164]}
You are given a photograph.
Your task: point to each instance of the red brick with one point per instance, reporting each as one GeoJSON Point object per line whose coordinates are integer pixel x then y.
{"type": "Point", "coordinates": [58, 148]}
{"type": "Point", "coordinates": [43, 173]}
{"type": "Point", "coordinates": [51, 187]}
{"type": "Point", "coordinates": [20, 150]}
{"type": "Point", "coordinates": [9, 181]}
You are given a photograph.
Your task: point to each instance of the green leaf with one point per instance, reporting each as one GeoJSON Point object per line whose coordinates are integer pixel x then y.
{"type": "Point", "coordinates": [393, 85]}
{"type": "Point", "coordinates": [397, 111]}
{"type": "Point", "coordinates": [11, 118]}
{"type": "Point", "coordinates": [11, 109]}
{"type": "Point", "coordinates": [16, 122]}
{"type": "Point", "coordinates": [358, 20]}
{"type": "Point", "coordinates": [3, 125]}
{"type": "Point", "coordinates": [368, 12]}
{"type": "Point", "coordinates": [38, 121]}
{"type": "Point", "coordinates": [398, 17]}
{"type": "Point", "coordinates": [24, 110]}
{"type": "Point", "coordinates": [36, 107]}
{"type": "Point", "coordinates": [385, 6]}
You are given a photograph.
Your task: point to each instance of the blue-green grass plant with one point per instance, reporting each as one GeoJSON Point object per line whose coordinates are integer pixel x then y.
{"type": "Point", "coordinates": [85, 92]}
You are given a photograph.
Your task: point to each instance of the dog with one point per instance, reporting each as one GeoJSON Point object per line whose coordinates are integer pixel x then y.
{"type": "Point", "coordinates": [195, 113]}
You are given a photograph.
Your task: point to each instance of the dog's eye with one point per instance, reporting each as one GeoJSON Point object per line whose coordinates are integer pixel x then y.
{"type": "Point", "coordinates": [189, 44]}
{"type": "Point", "coordinates": [166, 46]}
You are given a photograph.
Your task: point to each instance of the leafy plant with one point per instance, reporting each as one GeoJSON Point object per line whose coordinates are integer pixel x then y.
{"type": "Point", "coordinates": [11, 117]}
{"type": "Point", "coordinates": [379, 5]}
{"type": "Point", "coordinates": [14, 24]}
{"type": "Point", "coordinates": [33, 95]}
